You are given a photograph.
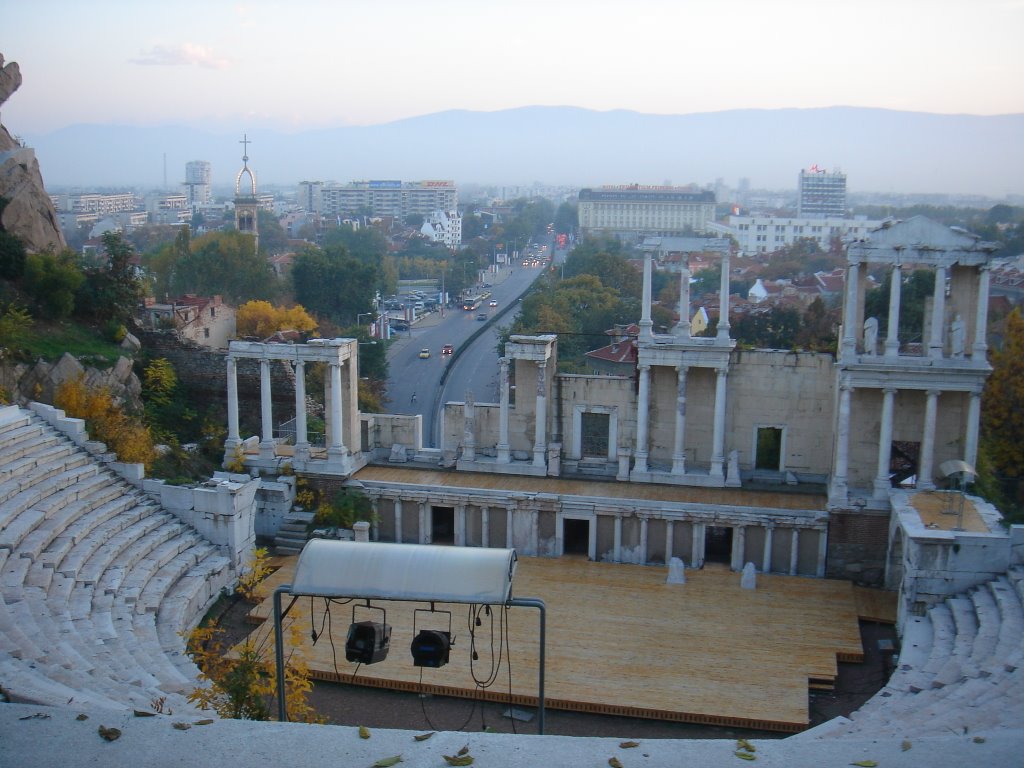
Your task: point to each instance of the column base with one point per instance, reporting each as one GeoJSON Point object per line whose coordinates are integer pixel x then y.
{"type": "Point", "coordinates": [301, 452]}
{"type": "Point", "coordinates": [678, 465]}
{"type": "Point", "coordinates": [640, 464]}
{"type": "Point", "coordinates": [268, 450]}
{"type": "Point", "coordinates": [504, 454]}
{"type": "Point", "coordinates": [717, 466]}
{"type": "Point", "coordinates": [882, 486]}
{"type": "Point", "coordinates": [539, 456]}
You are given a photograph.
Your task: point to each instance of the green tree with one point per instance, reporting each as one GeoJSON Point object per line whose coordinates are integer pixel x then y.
{"type": "Point", "coordinates": [273, 238]}
{"type": "Point", "coordinates": [566, 218]}
{"type": "Point", "coordinates": [366, 245]}
{"type": "Point", "coordinates": [52, 279]}
{"type": "Point", "coordinates": [224, 263]}
{"type": "Point", "coordinates": [112, 290]}
{"type": "Point", "coordinates": [15, 327]}
{"type": "Point", "coordinates": [332, 285]}
{"type": "Point", "coordinates": [915, 290]}
{"type": "Point", "coordinates": [1002, 423]}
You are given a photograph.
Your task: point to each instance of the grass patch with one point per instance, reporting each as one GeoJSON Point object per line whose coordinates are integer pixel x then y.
{"type": "Point", "coordinates": [51, 340]}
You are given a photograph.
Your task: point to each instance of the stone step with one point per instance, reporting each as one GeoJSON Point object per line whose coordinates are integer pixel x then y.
{"type": "Point", "coordinates": [61, 520]}
{"type": "Point", "coordinates": [32, 452]}
{"type": "Point", "coordinates": [20, 493]}
{"type": "Point", "coordinates": [69, 553]}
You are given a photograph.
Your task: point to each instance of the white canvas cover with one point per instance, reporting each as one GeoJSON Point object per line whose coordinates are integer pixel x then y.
{"type": "Point", "coordinates": [420, 572]}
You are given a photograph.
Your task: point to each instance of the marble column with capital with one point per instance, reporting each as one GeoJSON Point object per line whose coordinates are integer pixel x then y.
{"type": "Point", "coordinates": [723, 301]}
{"type": "Point", "coordinates": [973, 423]}
{"type": "Point", "coordinates": [882, 483]}
{"type": "Point", "coordinates": [892, 336]}
{"type": "Point", "coordinates": [301, 430]}
{"type": "Point", "coordinates": [678, 442]}
{"type": "Point", "coordinates": [980, 345]}
{"type": "Point", "coordinates": [849, 344]}
{"type": "Point", "coordinates": [937, 340]}
{"type": "Point", "coordinates": [838, 486]}
{"type": "Point", "coordinates": [266, 412]}
{"type": "Point", "coordinates": [718, 435]}
{"type": "Point", "coordinates": [682, 329]}
{"type": "Point", "coordinates": [504, 452]}
{"type": "Point", "coordinates": [336, 449]}
{"type": "Point", "coordinates": [925, 472]}
{"type": "Point", "coordinates": [642, 411]}
{"type": "Point", "coordinates": [233, 439]}
{"type": "Point", "coordinates": [540, 443]}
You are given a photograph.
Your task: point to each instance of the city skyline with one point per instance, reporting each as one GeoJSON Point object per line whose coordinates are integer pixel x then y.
{"type": "Point", "coordinates": [317, 64]}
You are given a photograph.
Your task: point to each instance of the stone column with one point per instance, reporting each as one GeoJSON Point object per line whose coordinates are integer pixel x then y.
{"type": "Point", "coordinates": [980, 345]}
{"type": "Point", "coordinates": [936, 342]}
{"type": "Point", "coordinates": [892, 337]}
{"type": "Point", "coordinates": [617, 546]}
{"type": "Point", "coordinates": [971, 438]}
{"type": "Point", "coordinates": [766, 557]}
{"type": "Point", "coordinates": [697, 545]}
{"type": "Point", "coordinates": [850, 310]}
{"type": "Point", "coordinates": [301, 431]}
{"type": "Point", "coordinates": [540, 446]}
{"type": "Point", "coordinates": [646, 324]}
{"type": "Point", "coordinates": [266, 412]}
{"type": "Point", "coordinates": [642, 406]}
{"type": "Point", "coordinates": [925, 471]}
{"type": "Point", "coordinates": [682, 329]}
{"type": "Point", "coordinates": [485, 526]}
{"type": "Point", "coordinates": [739, 547]}
{"type": "Point", "coordinates": [469, 428]}
{"type": "Point", "coordinates": [838, 487]}
{"type": "Point", "coordinates": [794, 551]}
{"type": "Point", "coordinates": [669, 525]}
{"type": "Point", "coordinates": [535, 532]}
{"type": "Point", "coordinates": [882, 483]}
{"type": "Point", "coordinates": [643, 540]}
{"type": "Point", "coordinates": [233, 438]}
{"type": "Point", "coordinates": [424, 534]}
{"type": "Point", "coordinates": [723, 302]}
{"type": "Point", "coordinates": [460, 525]}
{"type": "Point", "coordinates": [336, 447]}
{"type": "Point", "coordinates": [819, 570]}
{"type": "Point", "coordinates": [718, 437]}
{"type": "Point", "coordinates": [398, 521]}
{"type": "Point", "coordinates": [678, 446]}
{"type": "Point", "coordinates": [504, 455]}
{"type": "Point", "coordinates": [509, 513]}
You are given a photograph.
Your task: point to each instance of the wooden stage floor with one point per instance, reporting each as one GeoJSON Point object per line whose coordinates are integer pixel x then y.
{"type": "Point", "coordinates": [622, 641]}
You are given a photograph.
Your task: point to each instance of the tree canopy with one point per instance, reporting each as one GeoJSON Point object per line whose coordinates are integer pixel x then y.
{"type": "Point", "coordinates": [263, 319]}
{"type": "Point", "coordinates": [224, 263]}
{"type": "Point", "coordinates": [333, 285]}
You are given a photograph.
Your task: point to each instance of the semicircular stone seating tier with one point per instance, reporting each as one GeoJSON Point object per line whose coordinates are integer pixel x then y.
{"type": "Point", "coordinates": [960, 669]}
{"type": "Point", "coordinates": [97, 581]}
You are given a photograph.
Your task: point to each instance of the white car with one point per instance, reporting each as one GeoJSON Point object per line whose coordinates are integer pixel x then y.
{"type": "Point", "coordinates": [493, 303]}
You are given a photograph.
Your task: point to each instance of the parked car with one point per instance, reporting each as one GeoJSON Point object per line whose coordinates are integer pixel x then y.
{"type": "Point", "coordinates": [424, 353]}
{"type": "Point", "coordinates": [447, 349]}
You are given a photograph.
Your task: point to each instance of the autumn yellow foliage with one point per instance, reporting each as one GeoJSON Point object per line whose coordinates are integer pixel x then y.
{"type": "Point", "coordinates": [106, 421]}
{"type": "Point", "coordinates": [263, 319]}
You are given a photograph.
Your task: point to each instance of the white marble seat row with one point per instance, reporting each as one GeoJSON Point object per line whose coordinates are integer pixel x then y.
{"type": "Point", "coordinates": [96, 581]}
{"type": "Point", "coordinates": [969, 674]}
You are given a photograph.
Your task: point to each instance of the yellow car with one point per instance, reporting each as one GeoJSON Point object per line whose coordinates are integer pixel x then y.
{"type": "Point", "coordinates": [424, 353]}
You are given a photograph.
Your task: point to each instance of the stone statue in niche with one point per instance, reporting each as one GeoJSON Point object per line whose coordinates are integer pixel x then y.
{"type": "Point", "coordinates": [871, 336]}
{"type": "Point", "coordinates": [956, 336]}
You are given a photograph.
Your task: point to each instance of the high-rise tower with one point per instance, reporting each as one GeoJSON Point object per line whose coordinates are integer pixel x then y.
{"type": "Point", "coordinates": [822, 195]}
{"type": "Point", "coordinates": [197, 179]}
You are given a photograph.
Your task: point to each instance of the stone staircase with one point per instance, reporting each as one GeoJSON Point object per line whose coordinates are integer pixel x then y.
{"type": "Point", "coordinates": [294, 533]}
{"type": "Point", "coordinates": [96, 580]}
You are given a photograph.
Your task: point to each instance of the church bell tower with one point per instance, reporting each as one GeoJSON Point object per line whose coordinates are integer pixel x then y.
{"type": "Point", "coordinates": [246, 206]}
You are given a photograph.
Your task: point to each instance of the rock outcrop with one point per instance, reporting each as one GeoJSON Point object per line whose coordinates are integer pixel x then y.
{"type": "Point", "coordinates": [23, 382]}
{"type": "Point", "coordinates": [29, 213]}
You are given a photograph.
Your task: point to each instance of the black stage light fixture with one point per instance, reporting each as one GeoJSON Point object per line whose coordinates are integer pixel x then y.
{"type": "Point", "coordinates": [430, 648]}
{"type": "Point", "coordinates": [368, 641]}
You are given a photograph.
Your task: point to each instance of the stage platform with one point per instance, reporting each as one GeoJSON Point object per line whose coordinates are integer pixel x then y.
{"type": "Point", "coordinates": [621, 641]}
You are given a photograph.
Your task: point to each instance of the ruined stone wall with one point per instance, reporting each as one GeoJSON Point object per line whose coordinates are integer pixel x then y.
{"type": "Point", "coordinates": [857, 541]}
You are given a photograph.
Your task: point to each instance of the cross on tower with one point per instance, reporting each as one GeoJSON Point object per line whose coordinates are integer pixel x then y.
{"type": "Point", "coordinates": [245, 142]}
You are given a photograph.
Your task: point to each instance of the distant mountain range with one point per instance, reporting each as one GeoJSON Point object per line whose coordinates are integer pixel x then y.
{"type": "Point", "coordinates": [880, 150]}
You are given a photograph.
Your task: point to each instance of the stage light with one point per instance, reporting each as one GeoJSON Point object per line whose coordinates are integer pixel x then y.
{"type": "Point", "coordinates": [430, 648]}
{"type": "Point", "coordinates": [368, 641]}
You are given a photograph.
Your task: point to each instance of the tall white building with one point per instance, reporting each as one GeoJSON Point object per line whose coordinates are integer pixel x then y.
{"type": "Point", "coordinates": [197, 181]}
{"type": "Point", "coordinates": [821, 194]}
